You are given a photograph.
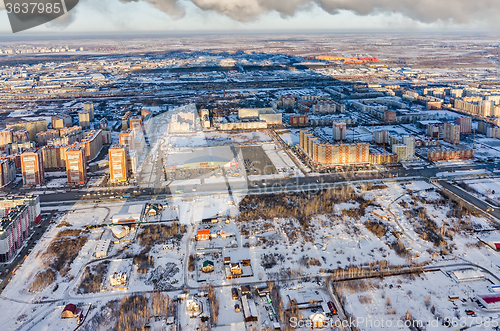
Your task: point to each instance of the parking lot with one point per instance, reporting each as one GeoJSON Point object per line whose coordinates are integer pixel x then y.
{"type": "Point", "coordinates": [256, 161]}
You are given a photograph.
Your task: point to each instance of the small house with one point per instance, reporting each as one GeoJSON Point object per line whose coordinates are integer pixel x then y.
{"type": "Point", "coordinates": [245, 289]}
{"type": "Point", "coordinates": [192, 305]}
{"type": "Point", "coordinates": [235, 269]}
{"type": "Point", "coordinates": [203, 235]}
{"type": "Point", "coordinates": [208, 266]}
{"type": "Point", "coordinates": [69, 311]}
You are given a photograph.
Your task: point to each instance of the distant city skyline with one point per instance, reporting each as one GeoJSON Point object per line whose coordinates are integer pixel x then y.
{"type": "Point", "coordinates": [94, 16]}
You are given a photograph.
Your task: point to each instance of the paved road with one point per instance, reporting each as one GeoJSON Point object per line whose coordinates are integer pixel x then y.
{"type": "Point", "coordinates": [492, 210]}
{"type": "Point", "coordinates": [259, 186]}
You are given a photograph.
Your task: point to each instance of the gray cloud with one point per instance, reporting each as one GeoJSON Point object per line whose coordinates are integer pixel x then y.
{"type": "Point", "coordinates": [457, 11]}
{"type": "Point", "coordinates": [171, 7]}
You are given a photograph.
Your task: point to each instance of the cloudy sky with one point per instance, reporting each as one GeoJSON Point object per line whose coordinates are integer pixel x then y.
{"type": "Point", "coordinates": [95, 16]}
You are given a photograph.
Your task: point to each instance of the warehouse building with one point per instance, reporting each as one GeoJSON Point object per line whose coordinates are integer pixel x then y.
{"type": "Point", "coordinates": [209, 157]}
{"type": "Point", "coordinates": [128, 214]}
{"type": "Point", "coordinates": [490, 301]}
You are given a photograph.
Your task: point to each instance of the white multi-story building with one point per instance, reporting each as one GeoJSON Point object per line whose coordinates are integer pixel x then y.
{"type": "Point", "coordinates": [339, 131]}
{"type": "Point", "coordinates": [381, 137]}
{"type": "Point", "coordinates": [409, 142]}
{"type": "Point", "coordinates": [18, 215]}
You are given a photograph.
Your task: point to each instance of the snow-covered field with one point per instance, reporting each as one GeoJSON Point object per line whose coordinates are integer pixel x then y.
{"type": "Point", "coordinates": [289, 237]}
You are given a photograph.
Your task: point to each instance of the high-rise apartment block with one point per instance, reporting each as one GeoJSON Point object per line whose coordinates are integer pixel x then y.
{"type": "Point", "coordinates": [401, 151]}
{"type": "Point", "coordinates": [76, 167]}
{"type": "Point", "coordinates": [61, 121]}
{"type": "Point", "coordinates": [118, 164]}
{"type": "Point", "coordinates": [339, 131]}
{"type": "Point", "coordinates": [298, 120]}
{"type": "Point", "coordinates": [451, 133]}
{"type": "Point", "coordinates": [334, 155]}
{"type": "Point", "coordinates": [33, 127]}
{"type": "Point", "coordinates": [18, 215]}
{"type": "Point", "coordinates": [89, 106]}
{"type": "Point", "coordinates": [20, 136]}
{"type": "Point", "coordinates": [7, 173]}
{"type": "Point", "coordinates": [43, 137]}
{"type": "Point", "coordinates": [409, 142]}
{"type": "Point", "coordinates": [84, 119]}
{"type": "Point", "coordinates": [127, 139]}
{"type": "Point", "coordinates": [32, 167]}
{"type": "Point", "coordinates": [6, 137]}
{"type": "Point", "coordinates": [382, 137]}
{"type": "Point", "coordinates": [465, 124]}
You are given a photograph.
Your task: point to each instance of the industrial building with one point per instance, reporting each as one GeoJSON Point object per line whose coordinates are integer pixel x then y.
{"type": "Point", "coordinates": [490, 301]}
{"type": "Point", "coordinates": [118, 164]}
{"type": "Point", "coordinates": [76, 166]}
{"type": "Point", "coordinates": [18, 215]}
{"type": "Point", "coordinates": [242, 126]}
{"type": "Point", "coordinates": [268, 115]}
{"type": "Point", "coordinates": [467, 274]}
{"type": "Point", "coordinates": [32, 167]}
{"type": "Point", "coordinates": [208, 157]}
{"type": "Point", "coordinates": [101, 250]}
{"type": "Point", "coordinates": [128, 214]}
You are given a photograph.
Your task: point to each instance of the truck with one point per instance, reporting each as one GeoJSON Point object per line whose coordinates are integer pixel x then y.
{"type": "Point", "coordinates": [333, 310]}
{"type": "Point", "coordinates": [126, 196]}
